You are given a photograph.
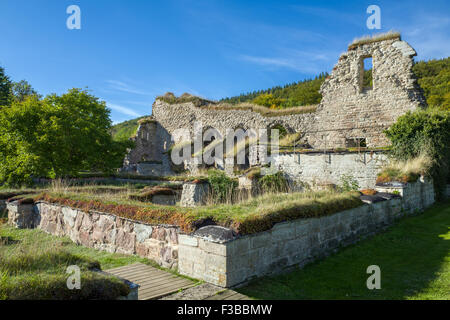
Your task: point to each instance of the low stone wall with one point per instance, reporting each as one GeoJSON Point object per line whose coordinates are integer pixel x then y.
{"type": "Point", "coordinates": [100, 231]}
{"type": "Point", "coordinates": [215, 254]}
{"type": "Point", "coordinates": [319, 168]}
{"type": "Point", "coordinates": [229, 263]}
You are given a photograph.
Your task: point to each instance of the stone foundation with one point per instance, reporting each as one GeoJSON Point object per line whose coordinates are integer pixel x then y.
{"type": "Point", "coordinates": [100, 231]}
{"type": "Point", "coordinates": [229, 263]}
{"type": "Point", "coordinates": [215, 254]}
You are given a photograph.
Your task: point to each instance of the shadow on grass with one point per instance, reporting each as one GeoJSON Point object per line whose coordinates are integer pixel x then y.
{"type": "Point", "coordinates": [413, 256]}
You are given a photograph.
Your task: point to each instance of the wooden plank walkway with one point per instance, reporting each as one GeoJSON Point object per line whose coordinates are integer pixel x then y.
{"type": "Point", "coordinates": [154, 283]}
{"type": "Point", "coordinates": [228, 295]}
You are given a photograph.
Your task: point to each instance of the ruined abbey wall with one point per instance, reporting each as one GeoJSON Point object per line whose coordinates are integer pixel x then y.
{"type": "Point", "coordinates": [176, 116]}
{"type": "Point", "coordinates": [348, 111]}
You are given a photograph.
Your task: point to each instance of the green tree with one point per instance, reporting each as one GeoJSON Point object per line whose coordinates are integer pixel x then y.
{"type": "Point", "coordinates": [268, 100]}
{"type": "Point", "coordinates": [21, 90]}
{"type": "Point", "coordinates": [5, 88]}
{"type": "Point", "coordinates": [55, 137]}
{"type": "Point", "coordinates": [434, 78]}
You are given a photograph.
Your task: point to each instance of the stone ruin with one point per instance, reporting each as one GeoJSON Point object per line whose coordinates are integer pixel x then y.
{"type": "Point", "coordinates": [348, 112]}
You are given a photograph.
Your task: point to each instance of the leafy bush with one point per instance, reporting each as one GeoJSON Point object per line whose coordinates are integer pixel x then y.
{"type": "Point", "coordinates": [424, 132]}
{"type": "Point", "coordinates": [222, 186]}
{"type": "Point", "coordinates": [274, 183]}
{"type": "Point", "coordinates": [348, 183]}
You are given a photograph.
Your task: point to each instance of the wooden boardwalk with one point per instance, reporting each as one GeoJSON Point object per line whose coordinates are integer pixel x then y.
{"type": "Point", "coordinates": [228, 295]}
{"type": "Point", "coordinates": [154, 283]}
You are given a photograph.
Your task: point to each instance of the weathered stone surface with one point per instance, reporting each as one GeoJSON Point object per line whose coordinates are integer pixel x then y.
{"type": "Point", "coordinates": [215, 233]}
{"type": "Point", "coordinates": [111, 233]}
{"type": "Point", "coordinates": [346, 112]}
{"type": "Point", "coordinates": [166, 200]}
{"type": "Point", "coordinates": [143, 232]}
{"type": "Point", "coordinates": [194, 194]}
{"type": "Point", "coordinates": [22, 216]}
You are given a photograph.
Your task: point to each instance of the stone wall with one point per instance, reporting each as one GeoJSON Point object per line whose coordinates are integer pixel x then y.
{"type": "Point", "coordinates": [194, 194]}
{"type": "Point", "coordinates": [100, 231]}
{"type": "Point", "coordinates": [220, 257]}
{"type": "Point", "coordinates": [176, 116]}
{"type": "Point", "coordinates": [149, 157]}
{"type": "Point", "coordinates": [347, 110]}
{"type": "Point", "coordinates": [293, 243]}
{"type": "Point", "coordinates": [328, 168]}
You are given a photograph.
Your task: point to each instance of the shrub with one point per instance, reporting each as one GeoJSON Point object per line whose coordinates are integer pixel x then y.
{"type": "Point", "coordinates": [276, 182]}
{"type": "Point", "coordinates": [424, 132]}
{"type": "Point", "coordinates": [222, 186]}
{"type": "Point", "coordinates": [348, 183]}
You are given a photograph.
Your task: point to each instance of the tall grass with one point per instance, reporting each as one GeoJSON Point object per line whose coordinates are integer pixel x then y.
{"type": "Point", "coordinates": [406, 170]}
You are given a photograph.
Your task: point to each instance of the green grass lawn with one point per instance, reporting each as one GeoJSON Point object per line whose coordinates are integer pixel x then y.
{"type": "Point", "coordinates": [33, 265]}
{"type": "Point", "coordinates": [413, 255]}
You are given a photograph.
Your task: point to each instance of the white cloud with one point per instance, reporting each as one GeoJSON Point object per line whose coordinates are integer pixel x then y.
{"type": "Point", "coordinates": [124, 110]}
{"type": "Point", "coordinates": [124, 87]}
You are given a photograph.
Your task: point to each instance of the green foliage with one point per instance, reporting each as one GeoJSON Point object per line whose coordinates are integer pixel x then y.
{"type": "Point", "coordinates": [434, 78]}
{"type": "Point", "coordinates": [424, 131]}
{"type": "Point", "coordinates": [21, 90]}
{"type": "Point", "coordinates": [56, 136]}
{"type": "Point", "coordinates": [125, 130]}
{"type": "Point", "coordinates": [5, 88]}
{"type": "Point", "coordinates": [222, 186]}
{"type": "Point", "coordinates": [276, 182]}
{"type": "Point", "coordinates": [302, 93]}
{"type": "Point", "coordinates": [368, 80]}
{"type": "Point", "coordinates": [268, 100]}
{"type": "Point", "coordinates": [348, 183]}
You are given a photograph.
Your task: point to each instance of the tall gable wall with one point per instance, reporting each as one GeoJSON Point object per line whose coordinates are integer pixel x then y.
{"type": "Point", "coordinates": [349, 111]}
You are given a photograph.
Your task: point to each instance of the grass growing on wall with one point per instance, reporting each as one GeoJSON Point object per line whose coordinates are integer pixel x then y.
{"type": "Point", "coordinates": [250, 216]}
{"type": "Point", "coordinates": [414, 258]}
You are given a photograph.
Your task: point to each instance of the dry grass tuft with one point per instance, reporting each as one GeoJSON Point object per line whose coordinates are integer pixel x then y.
{"type": "Point", "coordinates": [374, 38]}
{"type": "Point", "coordinates": [405, 171]}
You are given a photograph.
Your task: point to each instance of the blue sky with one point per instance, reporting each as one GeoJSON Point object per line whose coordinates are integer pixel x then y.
{"type": "Point", "coordinates": [128, 52]}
